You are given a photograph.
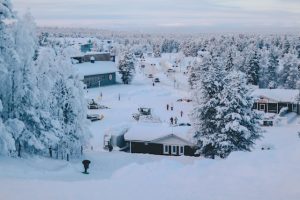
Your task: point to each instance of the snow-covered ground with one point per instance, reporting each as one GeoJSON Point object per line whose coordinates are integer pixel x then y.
{"type": "Point", "coordinates": [258, 175]}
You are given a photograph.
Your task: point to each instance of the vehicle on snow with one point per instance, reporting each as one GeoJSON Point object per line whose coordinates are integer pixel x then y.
{"type": "Point", "coordinates": [94, 117]}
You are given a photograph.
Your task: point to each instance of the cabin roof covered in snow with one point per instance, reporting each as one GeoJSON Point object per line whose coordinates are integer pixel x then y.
{"type": "Point", "coordinates": [149, 132]}
{"type": "Point", "coordinates": [280, 95]}
{"type": "Point", "coordinates": [99, 67]}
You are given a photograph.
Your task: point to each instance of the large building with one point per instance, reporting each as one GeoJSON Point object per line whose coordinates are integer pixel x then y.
{"type": "Point", "coordinates": [97, 73]}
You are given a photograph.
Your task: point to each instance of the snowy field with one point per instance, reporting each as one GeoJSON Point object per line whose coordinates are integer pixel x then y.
{"type": "Point", "coordinates": [258, 175]}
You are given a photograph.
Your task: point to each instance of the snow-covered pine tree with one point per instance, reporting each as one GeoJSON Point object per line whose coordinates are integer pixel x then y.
{"type": "Point", "coordinates": [290, 74]}
{"type": "Point", "coordinates": [5, 9]}
{"type": "Point", "coordinates": [263, 69]}
{"type": "Point", "coordinates": [9, 59]}
{"type": "Point", "coordinates": [194, 74]}
{"type": "Point", "coordinates": [240, 124]}
{"type": "Point", "coordinates": [126, 67]}
{"type": "Point", "coordinates": [207, 99]}
{"type": "Point", "coordinates": [252, 68]}
{"type": "Point", "coordinates": [229, 62]}
{"type": "Point", "coordinates": [272, 70]}
{"type": "Point", "coordinates": [7, 142]}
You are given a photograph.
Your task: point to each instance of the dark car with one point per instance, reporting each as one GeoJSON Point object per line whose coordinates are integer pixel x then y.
{"type": "Point", "coordinates": [94, 117]}
{"type": "Point", "coordinates": [184, 99]}
{"type": "Point", "coordinates": [171, 70]}
{"type": "Point", "coordinates": [156, 80]}
{"type": "Point", "coordinates": [184, 124]}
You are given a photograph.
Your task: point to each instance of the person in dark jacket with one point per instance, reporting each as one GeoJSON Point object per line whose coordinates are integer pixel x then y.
{"type": "Point", "coordinates": [86, 164]}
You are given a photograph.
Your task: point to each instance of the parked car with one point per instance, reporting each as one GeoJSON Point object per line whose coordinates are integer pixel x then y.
{"type": "Point", "coordinates": [184, 99]}
{"type": "Point", "coordinates": [184, 124]}
{"type": "Point", "coordinates": [94, 117]}
{"type": "Point", "coordinates": [156, 80]}
{"type": "Point", "coordinates": [150, 75]}
{"type": "Point", "coordinates": [171, 70]}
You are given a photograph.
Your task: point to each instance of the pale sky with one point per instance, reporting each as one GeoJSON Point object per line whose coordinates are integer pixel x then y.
{"type": "Point", "coordinates": [167, 15]}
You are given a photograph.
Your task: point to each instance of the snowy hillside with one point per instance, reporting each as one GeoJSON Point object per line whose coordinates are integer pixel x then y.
{"type": "Point", "coordinates": [261, 174]}
{"type": "Point", "coordinates": [134, 114]}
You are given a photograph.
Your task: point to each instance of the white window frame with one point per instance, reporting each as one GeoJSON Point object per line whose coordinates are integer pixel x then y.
{"type": "Point", "coordinates": [294, 107]}
{"type": "Point", "coordinates": [181, 148]}
{"type": "Point", "coordinates": [174, 152]}
{"type": "Point", "coordinates": [166, 152]}
{"type": "Point", "coordinates": [262, 105]}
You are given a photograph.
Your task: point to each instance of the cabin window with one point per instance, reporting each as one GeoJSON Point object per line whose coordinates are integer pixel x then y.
{"type": "Point", "coordinates": [262, 107]}
{"type": "Point", "coordinates": [181, 150]}
{"type": "Point", "coordinates": [294, 107]}
{"type": "Point", "coordinates": [174, 150]}
{"type": "Point", "coordinates": [166, 149]}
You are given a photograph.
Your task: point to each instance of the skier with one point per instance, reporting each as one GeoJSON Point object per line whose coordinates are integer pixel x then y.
{"type": "Point", "coordinates": [167, 106]}
{"type": "Point", "coordinates": [181, 113]}
{"type": "Point", "coordinates": [175, 120]}
{"type": "Point", "coordinates": [171, 106]}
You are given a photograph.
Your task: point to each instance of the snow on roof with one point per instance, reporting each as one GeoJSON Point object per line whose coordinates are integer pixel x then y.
{"type": "Point", "coordinates": [99, 67]}
{"type": "Point", "coordinates": [149, 132]}
{"type": "Point", "coordinates": [280, 95]}
{"type": "Point", "coordinates": [90, 53]}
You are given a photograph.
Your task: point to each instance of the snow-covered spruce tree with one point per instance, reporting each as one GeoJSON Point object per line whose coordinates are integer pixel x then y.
{"type": "Point", "coordinates": [126, 67]}
{"type": "Point", "coordinates": [289, 75]}
{"type": "Point", "coordinates": [252, 68]}
{"type": "Point", "coordinates": [197, 67]}
{"type": "Point", "coordinates": [194, 74]}
{"type": "Point", "coordinates": [207, 99]}
{"type": "Point", "coordinates": [263, 69]}
{"type": "Point", "coordinates": [240, 124]}
{"type": "Point", "coordinates": [272, 70]}
{"type": "Point", "coordinates": [7, 142]}
{"type": "Point", "coordinates": [68, 107]}
{"type": "Point", "coordinates": [27, 105]}
{"type": "Point", "coordinates": [8, 59]}
{"type": "Point", "coordinates": [229, 61]}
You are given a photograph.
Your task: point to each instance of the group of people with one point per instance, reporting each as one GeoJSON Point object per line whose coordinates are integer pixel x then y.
{"type": "Point", "coordinates": [173, 120]}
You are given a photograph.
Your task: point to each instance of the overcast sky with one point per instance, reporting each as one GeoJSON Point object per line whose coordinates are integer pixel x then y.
{"type": "Point", "coordinates": [180, 15]}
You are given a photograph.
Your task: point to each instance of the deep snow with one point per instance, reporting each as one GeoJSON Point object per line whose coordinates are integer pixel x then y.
{"type": "Point", "coordinates": [258, 175]}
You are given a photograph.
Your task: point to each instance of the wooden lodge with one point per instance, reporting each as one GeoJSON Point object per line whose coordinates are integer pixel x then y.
{"type": "Point", "coordinates": [159, 140]}
{"type": "Point", "coordinates": [273, 100]}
